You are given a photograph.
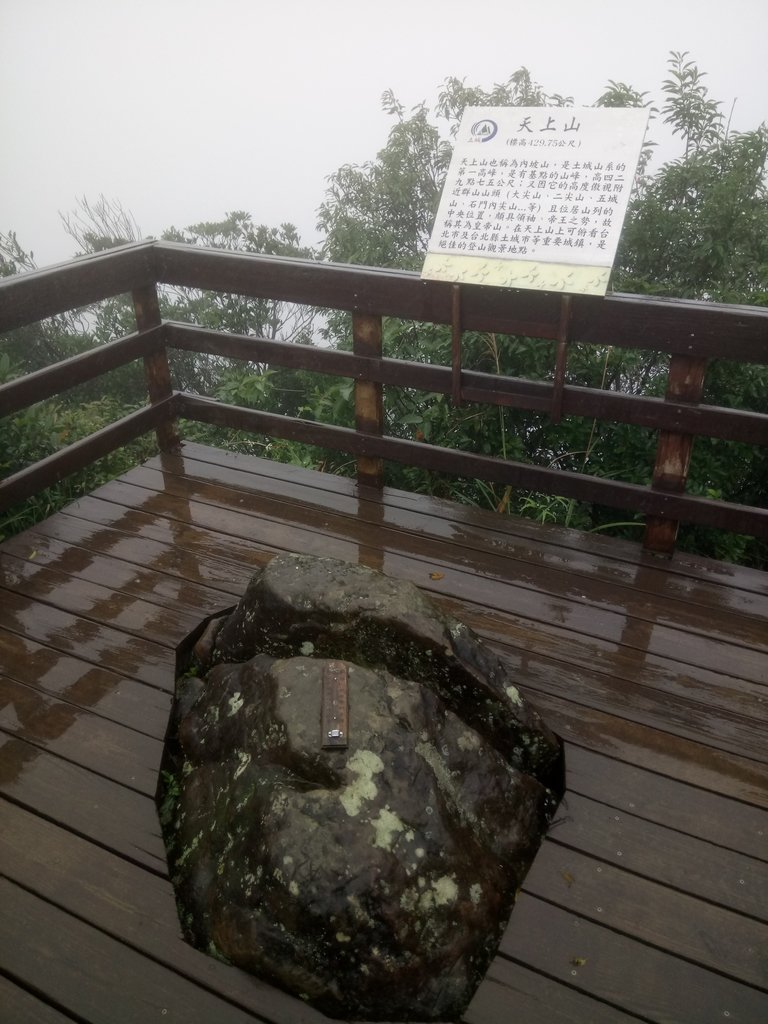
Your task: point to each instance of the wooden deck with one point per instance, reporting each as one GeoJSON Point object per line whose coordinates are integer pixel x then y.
{"type": "Point", "coordinates": [649, 898]}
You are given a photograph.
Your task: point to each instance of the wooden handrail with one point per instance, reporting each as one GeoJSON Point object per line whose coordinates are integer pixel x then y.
{"type": "Point", "coordinates": [27, 298]}
{"type": "Point", "coordinates": [692, 332]}
{"type": "Point", "coordinates": [484, 388]}
{"type": "Point", "coordinates": [579, 486]}
{"type": "Point", "coordinates": [707, 330]}
{"type": "Point", "coordinates": [82, 453]}
{"type": "Point", "coordinates": [59, 377]}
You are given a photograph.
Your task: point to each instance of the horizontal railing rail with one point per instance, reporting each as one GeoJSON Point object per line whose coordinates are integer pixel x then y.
{"type": "Point", "coordinates": [579, 486]}
{"type": "Point", "coordinates": [83, 453]}
{"type": "Point", "coordinates": [27, 298]}
{"type": "Point", "coordinates": [483, 388]}
{"type": "Point", "coordinates": [692, 333]}
{"type": "Point", "coordinates": [86, 366]}
{"type": "Point", "coordinates": [705, 330]}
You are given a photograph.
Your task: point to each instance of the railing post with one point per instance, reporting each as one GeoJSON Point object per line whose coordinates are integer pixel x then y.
{"type": "Point", "coordinates": [561, 357]}
{"type": "Point", "coordinates": [156, 369]}
{"type": "Point", "coordinates": [456, 344]}
{"type": "Point", "coordinates": [673, 452]}
{"type": "Point", "coordinates": [369, 401]}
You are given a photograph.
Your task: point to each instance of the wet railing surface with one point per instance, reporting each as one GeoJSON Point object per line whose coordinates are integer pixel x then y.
{"type": "Point", "coordinates": [691, 333]}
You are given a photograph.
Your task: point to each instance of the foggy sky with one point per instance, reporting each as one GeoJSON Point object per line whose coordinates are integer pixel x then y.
{"type": "Point", "coordinates": [186, 109]}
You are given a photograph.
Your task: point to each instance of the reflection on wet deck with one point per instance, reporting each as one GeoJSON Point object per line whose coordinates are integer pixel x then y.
{"type": "Point", "coordinates": [649, 900]}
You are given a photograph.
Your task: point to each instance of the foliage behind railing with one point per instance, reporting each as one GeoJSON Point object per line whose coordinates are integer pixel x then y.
{"type": "Point", "coordinates": [691, 333]}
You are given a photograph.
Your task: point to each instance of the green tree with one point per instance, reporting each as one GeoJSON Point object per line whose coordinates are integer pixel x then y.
{"type": "Point", "coordinates": [49, 426]}
{"type": "Point", "coordinates": [697, 227]}
{"type": "Point", "coordinates": [265, 318]}
{"type": "Point", "coordinates": [381, 213]}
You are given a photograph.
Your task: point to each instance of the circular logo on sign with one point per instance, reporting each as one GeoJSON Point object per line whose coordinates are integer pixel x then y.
{"type": "Point", "coordinates": [483, 131]}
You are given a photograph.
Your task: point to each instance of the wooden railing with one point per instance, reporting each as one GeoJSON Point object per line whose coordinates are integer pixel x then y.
{"type": "Point", "coordinates": [692, 333]}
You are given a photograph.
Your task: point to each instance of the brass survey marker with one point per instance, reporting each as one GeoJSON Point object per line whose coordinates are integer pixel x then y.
{"type": "Point", "coordinates": [335, 706]}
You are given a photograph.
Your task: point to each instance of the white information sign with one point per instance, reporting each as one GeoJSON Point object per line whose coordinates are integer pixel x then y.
{"type": "Point", "coordinates": [535, 197]}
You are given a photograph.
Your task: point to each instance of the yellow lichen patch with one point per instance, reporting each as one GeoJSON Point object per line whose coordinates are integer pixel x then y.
{"type": "Point", "coordinates": [445, 890]}
{"type": "Point", "coordinates": [469, 741]}
{"type": "Point", "coordinates": [387, 826]}
{"type": "Point", "coordinates": [409, 899]}
{"type": "Point", "coordinates": [243, 760]}
{"type": "Point", "coordinates": [235, 703]}
{"type": "Point", "coordinates": [364, 764]}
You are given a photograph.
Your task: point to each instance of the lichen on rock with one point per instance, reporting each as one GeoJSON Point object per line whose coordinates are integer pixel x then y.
{"type": "Point", "coordinates": [373, 880]}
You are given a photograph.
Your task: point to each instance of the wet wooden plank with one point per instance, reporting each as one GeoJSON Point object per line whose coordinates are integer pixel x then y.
{"type": "Point", "coordinates": [138, 908]}
{"type": "Point", "coordinates": [121, 899]}
{"type": "Point", "coordinates": [624, 787]}
{"type": "Point", "coordinates": [724, 723]}
{"type": "Point", "coordinates": [738, 653]}
{"type": "Point", "coordinates": [726, 692]}
{"type": "Point", "coordinates": [123, 653]}
{"type": "Point", "coordinates": [52, 538]}
{"type": "Point", "coordinates": [590, 827]}
{"type": "Point", "coordinates": [170, 585]}
{"type": "Point", "coordinates": [694, 763]}
{"type": "Point", "coordinates": [21, 1007]}
{"type": "Point", "coordinates": [697, 579]}
{"type": "Point", "coordinates": [241, 556]}
{"type": "Point", "coordinates": [724, 719]}
{"type": "Point", "coordinates": [537, 610]}
{"type": "Point", "coordinates": [112, 981]}
{"type": "Point", "coordinates": [82, 802]}
{"type": "Point", "coordinates": [525, 642]}
{"type": "Point", "coordinates": [659, 800]}
{"type": "Point", "coordinates": [128, 903]}
{"type": "Point", "coordinates": [274, 532]}
{"type": "Point", "coordinates": [569, 651]}
{"type": "Point", "coordinates": [414, 535]}
{"type": "Point", "coordinates": [88, 686]}
{"type": "Point", "coordinates": [620, 970]}
{"type": "Point", "coordinates": [729, 729]}
{"type": "Point", "coordinates": [732, 721]}
{"type": "Point", "coordinates": [98, 603]}
{"type": "Point", "coordinates": [512, 993]}
{"type": "Point", "coordinates": [671, 921]}
{"type": "Point", "coordinates": [116, 753]}
{"type": "Point", "coordinates": [85, 739]}
{"type": "Point", "coordinates": [673, 859]}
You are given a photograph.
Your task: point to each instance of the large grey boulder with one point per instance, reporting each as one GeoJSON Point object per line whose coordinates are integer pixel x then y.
{"type": "Point", "coordinates": [373, 880]}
